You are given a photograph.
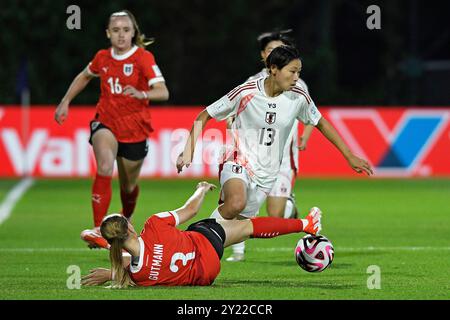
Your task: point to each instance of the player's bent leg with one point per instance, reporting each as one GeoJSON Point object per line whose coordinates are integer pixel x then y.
{"type": "Point", "coordinates": [105, 150]}
{"type": "Point", "coordinates": [276, 206]}
{"type": "Point", "coordinates": [234, 196]}
{"type": "Point", "coordinates": [236, 231]}
{"type": "Point", "coordinates": [269, 227]}
{"type": "Point", "coordinates": [256, 196]}
{"type": "Point", "coordinates": [281, 201]}
{"type": "Point", "coordinates": [234, 193]}
{"type": "Point", "coordinates": [290, 210]}
{"type": "Point", "coordinates": [129, 172]}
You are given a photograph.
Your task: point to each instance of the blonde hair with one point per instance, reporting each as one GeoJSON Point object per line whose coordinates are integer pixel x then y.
{"type": "Point", "coordinates": [114, 229]}
{"type": "Point", "coordinates": [139, 39]}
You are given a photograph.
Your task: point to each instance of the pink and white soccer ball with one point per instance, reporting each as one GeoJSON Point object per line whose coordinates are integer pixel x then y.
{"type": "Point", "coordinates": [314, 253]}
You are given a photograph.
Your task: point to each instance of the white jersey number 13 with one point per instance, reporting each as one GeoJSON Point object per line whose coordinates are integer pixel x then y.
{"type": "Point", "coordinates": [267, 136]}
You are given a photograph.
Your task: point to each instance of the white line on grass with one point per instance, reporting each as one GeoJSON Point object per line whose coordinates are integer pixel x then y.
{"type": "Point", "coordinates": [13, 197]}
{"type": "Point", "coordinates": [273, 249]}
{"type": "Point", "coordinates": [354, 249]}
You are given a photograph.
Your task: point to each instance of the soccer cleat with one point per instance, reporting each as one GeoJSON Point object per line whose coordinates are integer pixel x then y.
{"type": "Point", "coordinates": [236, 257]}
{"type": "Point", "coordinates": [314, 221]}
{"type": "Point", "coordinates": [94, 239]}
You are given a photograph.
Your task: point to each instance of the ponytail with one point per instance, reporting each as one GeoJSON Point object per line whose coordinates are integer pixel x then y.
{"type": "Point", "coordinates": [114, 229]}
{"type": "Point", "coordinates": [120, 276]}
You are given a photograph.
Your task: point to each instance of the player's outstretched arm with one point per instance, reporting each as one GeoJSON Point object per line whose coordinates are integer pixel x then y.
{"type": "Point", "coordinates": [307, 130]}
{"type": "Point", "coordinates": [357, 164]}
{"type": "Point", "coordinates": [185, 158]}
{"type": "Point", "coordinates": [193, 204]}
{"type": "Point", "coordinates": [96, 277]}
{"type": "Point", "coordinates": [77, 85]}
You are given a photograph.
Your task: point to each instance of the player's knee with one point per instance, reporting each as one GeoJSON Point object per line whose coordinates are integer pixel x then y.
{"type": "Point", "coordinates": [104, 168]}
{"type": "Point", "coordinates": [127, 187]}
{"type": "Point", "coordinates": [235, 206]}
{"type": "Point", "coordinates": [232, 208]}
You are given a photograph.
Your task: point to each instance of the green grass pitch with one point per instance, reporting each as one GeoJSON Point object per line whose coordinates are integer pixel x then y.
{"type": "Point", "coordinates": [401, 226]}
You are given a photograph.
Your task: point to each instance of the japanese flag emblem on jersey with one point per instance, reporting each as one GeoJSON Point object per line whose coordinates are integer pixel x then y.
{"type": "Point", "coordinates": [270, 117]}
{"type": "Point", "coordinates": [128, 69]}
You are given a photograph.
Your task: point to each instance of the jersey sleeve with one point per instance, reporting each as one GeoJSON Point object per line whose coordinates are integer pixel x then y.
{"type": "Point", "coordinates": [93, 68]}
{"type": "Point", "coordinates": [150, 69]}
{"type": "Point", "coordinates": [169, 217]}
{"type": "Point", "coordinates": [308, 112]}
{"type": "Point", "coordinates": [226, 106]}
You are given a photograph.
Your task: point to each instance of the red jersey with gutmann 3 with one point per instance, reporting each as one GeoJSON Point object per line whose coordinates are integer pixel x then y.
{"type": "Point", "coordinates": [127, 117]}
{"type": "Point", "coordinates": [172, 257]}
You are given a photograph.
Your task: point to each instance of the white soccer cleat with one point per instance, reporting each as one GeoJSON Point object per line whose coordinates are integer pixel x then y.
{"type": "Point", "coordinates": [236, 257]}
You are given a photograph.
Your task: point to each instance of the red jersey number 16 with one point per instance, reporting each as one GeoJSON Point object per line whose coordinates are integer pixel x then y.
{"type": "Point", "coordinates": [115, 86]}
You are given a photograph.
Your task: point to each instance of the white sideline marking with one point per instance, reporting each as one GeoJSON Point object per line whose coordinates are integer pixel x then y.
{"type": "Point", "coordinates": [337, 249]}
{"type": "Point", "coordinates": [13, 197]}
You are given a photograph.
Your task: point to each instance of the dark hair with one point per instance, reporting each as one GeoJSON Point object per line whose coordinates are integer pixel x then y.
{"type": "Point", "coordinates": [282, 56]}
{"type": "Point", "coordinates": [278, 35]}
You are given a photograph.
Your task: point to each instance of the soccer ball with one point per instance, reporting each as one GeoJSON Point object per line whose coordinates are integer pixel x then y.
{"type": "Point", "coordinates": [314, 253]}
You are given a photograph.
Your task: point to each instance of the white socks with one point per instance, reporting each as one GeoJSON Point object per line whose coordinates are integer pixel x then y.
{"type": "Point", "coordinates": [239, 247]}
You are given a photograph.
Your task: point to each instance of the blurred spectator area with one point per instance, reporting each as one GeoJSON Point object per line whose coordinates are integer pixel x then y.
{"type": "Point", "coordinates": [206, 48]}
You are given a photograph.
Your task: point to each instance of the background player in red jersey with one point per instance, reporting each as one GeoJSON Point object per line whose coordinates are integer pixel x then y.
{"type": "Point", "coordinates": [129, 78]}
{"type": "Point", "coordinates": [164, 255]}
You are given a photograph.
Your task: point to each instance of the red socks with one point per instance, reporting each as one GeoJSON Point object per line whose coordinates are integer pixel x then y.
{"type": "Point", "coordinates": [269, 227]}
{"type": "Point", "coordinates": [101, 198]}
{"type": "Point", "coordinates": [129, 201]}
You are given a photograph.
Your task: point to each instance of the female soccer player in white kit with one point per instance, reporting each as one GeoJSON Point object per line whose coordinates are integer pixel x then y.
{"type": "Point", "coordinates": [281, 199]}
{"type": "Point", "coordinates": [280, 202]}
{"type": "Point", "coordinates": [265, 111]}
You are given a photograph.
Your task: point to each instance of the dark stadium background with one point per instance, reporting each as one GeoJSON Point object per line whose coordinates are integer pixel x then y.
{"type": "Point", "coordinates": [205, 48]}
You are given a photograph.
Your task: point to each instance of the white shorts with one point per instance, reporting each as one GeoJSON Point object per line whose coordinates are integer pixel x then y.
{"type": "Point", "coordinates": [256, 195]}
{"type": "Point", "coordinates": [283, 184]}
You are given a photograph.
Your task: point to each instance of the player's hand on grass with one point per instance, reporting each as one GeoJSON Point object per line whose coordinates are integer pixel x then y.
{"type": "Point", "coordinates": [183, 160]}
{"type": "Point", "coordinates": [359, 165]}
{"type": "Point", "coordinates": [96, 277]}
{"type": "Point", "coordinates": [133, 92]}
{"type": "Point", "coordinates": [62, 111]}
{"type": "Point", "coordinates": [208, 186]}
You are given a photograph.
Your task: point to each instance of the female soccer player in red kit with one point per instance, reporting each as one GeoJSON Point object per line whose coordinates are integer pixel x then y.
{"type": "Point", "coordinates": [129, 78]}
{"type": "Point", "coordinates": [164, 255]}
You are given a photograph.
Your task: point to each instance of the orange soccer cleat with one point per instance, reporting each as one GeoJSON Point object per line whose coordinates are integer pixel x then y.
{"type": "Point", "coordinates": [94, 239]}
{"type": "Point", "coordinates": [314, 221]}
